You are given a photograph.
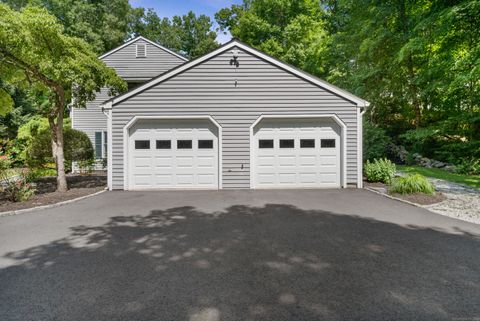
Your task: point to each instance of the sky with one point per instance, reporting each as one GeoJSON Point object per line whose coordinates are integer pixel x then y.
{"type": "Point", "coordinates": [170, 8]}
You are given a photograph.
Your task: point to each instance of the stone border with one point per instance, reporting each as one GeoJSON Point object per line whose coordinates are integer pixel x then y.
{"type": "Point", "coordinates": [43, 207]}
{"type": "Point", "coordinates": [425, 207]}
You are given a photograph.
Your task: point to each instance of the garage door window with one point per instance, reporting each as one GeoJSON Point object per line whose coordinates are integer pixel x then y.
{"type": "Point", "coordinates": [142, 144]}
{"type": "Point", "coordinates": [328, 143]}
{"type": "Point", "coordinates": [184, 144]}
{"type": "Point", "coordinates": [307, 143]}
{"type": "Point", "coordinates": [205, 144]}
{"type": "Point", "coordinates": [287, 143]}
{"type": "Point", "coordinates": [164, 144]}
{"type": "Point", "coordinates": [265, 143]}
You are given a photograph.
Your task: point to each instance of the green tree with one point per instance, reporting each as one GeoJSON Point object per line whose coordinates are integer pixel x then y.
{"type": "Point", "coordinates": [104, 24]}
{"type": "Point", "coordinates": [291, 30]}
{"type": "Point", "coordinates": [36, 53]}
{"type": "Point", "coordinates": [189, 34]}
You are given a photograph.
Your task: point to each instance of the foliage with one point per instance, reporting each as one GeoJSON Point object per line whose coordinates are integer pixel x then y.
{"type": "Point", "coordinates": [5, 165]}
{"type": "Point", "coordinates": [104, 24]}
{"type": "Point", "coordinates": [188, 34]}
{"type": "Point", "coordinates": [86, 166]}
{"type": "Point", "coordinates": [470, 180]}
{"type": "Point", "coordinates": [18, 189]}
{"type": "Point", "coordinates": [380, 170]}
{"type": "Point", "coordinates": [375, 141]}
{"type": "Point", "coordinates": [34, 173]}
{"type": "Point", "coordinates": [36, 53]}
{"type": "Point", "coordinates": [412, 183]}
{"type": "Point", "coordinates": [34, 139]}
{"type": "Point", "coordinates": [291, 30]}
{"type": "Point", "coordinates": [470, 166]}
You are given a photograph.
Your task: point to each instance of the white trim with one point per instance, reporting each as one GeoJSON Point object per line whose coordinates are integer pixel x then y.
{"type": "Point", "coordinates": [108, 112]}
{"type": "Point", "coordinates": [182, 117]}
{"type": "Point", "coordinates": [144, 39]}
{"type": "Point", "coordinates": [334, 117]}
{"type": "Point", "coordinates": [360, 147]}
{"type": "Point", "coordinates": [234, 43]}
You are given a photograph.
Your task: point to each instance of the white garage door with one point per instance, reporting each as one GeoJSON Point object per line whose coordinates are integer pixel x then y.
{"type": "Point", "coordinates": [173, 154]}
{"type": "Point", "coordinates": [296, 154]}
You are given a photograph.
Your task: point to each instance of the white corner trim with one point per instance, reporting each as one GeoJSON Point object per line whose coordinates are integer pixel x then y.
{"type": "Point", "coordinates": [144, 39]}
{"type": "Point", "coordinates": [172, 117]}
{"type": "Point", "coordinates": [234, 43]}
{"type": "Point", "coordinates": [107, 110]}
{"type": "Point", "coordinates": [360, 147]}
{"type": "Point", "coordinates": [334, 117]}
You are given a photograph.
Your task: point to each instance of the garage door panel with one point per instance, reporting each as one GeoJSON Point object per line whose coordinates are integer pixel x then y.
{"type": "Point", "coordinates": [287, 178]}
{"type": "Point", "coordinates": [185, 179]}
{"type": "Point", "coordinates": [143, 162]}
{"type": "Point", "coordinates": [162, 162]}
{"type": "Point", "coordinates": [206, 179]}
{"type": "Point", "coordinates": [308, 178]}
{"type": "Point", "coordinates": [163, 180]}
{"type": "Point", "coordinates": [286, 161]}
{"type": "Point", "coordinates": [206, 161]}
{"type": "Point", "coordinates": [185, 161]}
{"type": "Point", "coordinates": [196, 165]}
{"type": "Point", "coordinates": [302, 164]}
{"type": "Point", "coordinates": [144, 180]}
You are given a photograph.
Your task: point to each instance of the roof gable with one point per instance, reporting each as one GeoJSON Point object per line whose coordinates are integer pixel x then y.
{"type": "Point", "coordinates": [132, 41]}
{"type": "Point", "coordinates": [237, 44]}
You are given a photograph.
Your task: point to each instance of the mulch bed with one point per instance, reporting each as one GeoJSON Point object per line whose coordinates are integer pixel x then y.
{"type": "Point", "coordinates": [417, 198]}
{"type": "Point", "coordinates": [48, 198]}
{"type": "Point", "coordinates": [79, 185]}
{"type": "Point", "coordinates": [421, 199]}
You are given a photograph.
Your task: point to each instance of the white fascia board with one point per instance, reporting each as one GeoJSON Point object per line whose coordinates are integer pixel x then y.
{"type": "Point", "coordinates": [234, 43]}
{"type": "Point", "coordinates": [144, 39]}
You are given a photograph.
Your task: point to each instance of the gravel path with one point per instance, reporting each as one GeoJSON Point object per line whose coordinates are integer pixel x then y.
{"type": "Point", "coordinates": [462, 202]}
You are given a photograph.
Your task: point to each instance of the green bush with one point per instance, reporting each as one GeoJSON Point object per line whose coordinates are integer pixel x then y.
{"type": "Point", "coordinates": [375, 141]}
{"type": "Point", "coordinates": [380, 170]}
{"type": "Point", "coordinates": [413, 183]}
{"type": "Point", "coordinates": [469, 166]}
{"type": "Point", "coordinates": [35, 139]}
{"type": "Point", "coordinates": [18, 189]}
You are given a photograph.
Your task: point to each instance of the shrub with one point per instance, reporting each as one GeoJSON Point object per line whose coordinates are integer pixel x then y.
{"type": "Point", "coordinates": [375, 141]}
{"type": "Point", "coordinates": [469, 166]}
{"type": "Point", "coordinates": [35, 137]}
{"type": "Point", "coordinates": [18, 189]}
{"type": "Point", "coordinates": [413, 183]}
{"type": "Point", "coordinates": [380, 170]}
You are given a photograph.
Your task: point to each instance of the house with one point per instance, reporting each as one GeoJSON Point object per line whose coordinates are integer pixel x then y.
{"type": "Point", "coordinates": [234, 118]}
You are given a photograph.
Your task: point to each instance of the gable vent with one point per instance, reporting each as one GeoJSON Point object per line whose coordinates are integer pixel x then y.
{"type": "Point", "coordinates": [141, 50]}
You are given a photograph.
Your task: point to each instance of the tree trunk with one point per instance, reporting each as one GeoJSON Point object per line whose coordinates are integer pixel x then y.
{"type": "Point", "coordinates": [57, 142]}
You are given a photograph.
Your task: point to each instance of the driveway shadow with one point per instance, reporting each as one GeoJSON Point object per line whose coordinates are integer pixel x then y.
{"type": "Point", "coordinates": [275, 262]}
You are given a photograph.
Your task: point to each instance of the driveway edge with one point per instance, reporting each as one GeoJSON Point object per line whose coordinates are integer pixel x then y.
{"type": "Point", "coordinates": [43, 207]}
{"type": "Point", "coordinates": [397, 199]}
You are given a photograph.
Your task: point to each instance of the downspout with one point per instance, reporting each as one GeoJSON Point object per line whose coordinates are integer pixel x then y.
{"type": "Point", "coordinates": [107, 110]}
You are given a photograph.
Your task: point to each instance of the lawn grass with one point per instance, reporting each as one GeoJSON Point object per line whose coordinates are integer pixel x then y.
{"type": "Point", "coordinates": [470, 180]}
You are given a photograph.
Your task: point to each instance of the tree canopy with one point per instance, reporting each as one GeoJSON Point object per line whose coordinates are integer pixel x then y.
{"type": "Point", "coordinates": [417, 62]}
{"type": "Point", "coordinates": [36, 54]}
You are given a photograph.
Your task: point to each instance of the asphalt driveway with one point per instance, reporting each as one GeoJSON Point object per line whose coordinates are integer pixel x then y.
{"type": "Point", "coordinates": [238, 255]}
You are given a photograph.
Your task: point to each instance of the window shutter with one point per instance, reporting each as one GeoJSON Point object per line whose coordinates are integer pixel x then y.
{"type": "Point", "coordinates": [98, 145]}
{"type": "Point", "coordinates": [141, 50]}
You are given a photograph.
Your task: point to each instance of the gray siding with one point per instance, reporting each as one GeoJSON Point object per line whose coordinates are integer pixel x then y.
{"type": "Point", "coordinates": [209, 89]}
{"type": "Point", "coordinates": [91, 119]}
{"type": "Point", "coordinates": [129, 67]}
